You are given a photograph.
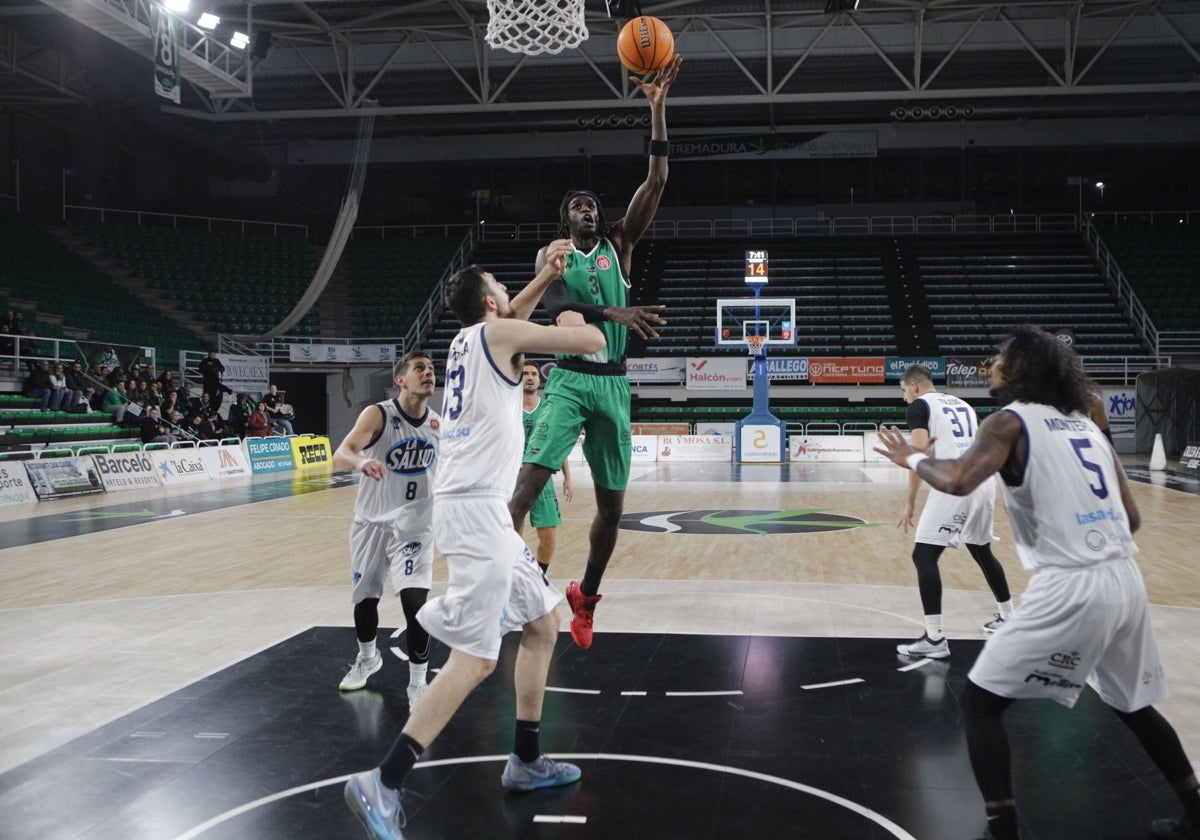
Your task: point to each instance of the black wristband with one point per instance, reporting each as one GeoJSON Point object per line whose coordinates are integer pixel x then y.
{"type": "Point", "coordinates": [659, 148]}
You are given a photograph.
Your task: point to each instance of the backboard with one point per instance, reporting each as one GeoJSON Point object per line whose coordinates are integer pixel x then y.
{"type": "Point", "coordinates": [773, 319]}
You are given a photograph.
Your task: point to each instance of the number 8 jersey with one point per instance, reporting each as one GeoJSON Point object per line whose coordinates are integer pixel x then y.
{"type": "Point", "coordinates": [408, 448]}
{"type": "Point", "coordinates": [1068, 469]}
{"type": "Point", "coordinates": [482, 435]}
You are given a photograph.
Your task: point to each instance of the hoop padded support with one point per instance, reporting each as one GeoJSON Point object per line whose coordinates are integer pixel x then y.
{"type": "Point", "coordinates": [533, 27]}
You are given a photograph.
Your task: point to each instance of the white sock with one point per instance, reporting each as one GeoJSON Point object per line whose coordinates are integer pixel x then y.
{"type": "Point", "coordinates": [367, 649]}
{"type": "Point", "coordinates": [1006, 608]}
{"type": "Point", "coordinates": [933, 627]}
{"type": "Point", "coordinates": [416, 673]}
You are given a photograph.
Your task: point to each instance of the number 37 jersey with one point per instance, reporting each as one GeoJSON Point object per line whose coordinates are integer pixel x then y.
{"type": "Point", "coordinates": [1072, 481]}
{"type": "Point", "coordinates": [408, 448]}
{"type": "Point", "coordinates": [951, 420]}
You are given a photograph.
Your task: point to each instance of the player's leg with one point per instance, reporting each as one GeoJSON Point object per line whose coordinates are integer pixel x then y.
{"type": "Point", "coordinates": [532, 602]}
{"type": "Point", "coordinates": [932, 643]}
{"type": "Point", "coordinates": [554, 436]}
{"type": "Point", "coordinates": [546, 517]}
{"type": "Point", "coordinates": [1160, 741]}
{"type": "Point", "coordinates": [987, 746]}
{"type": "Point", "coordinates": [412, 575]}
{"type": "Point", "coordinates": [997, 581]}
{"type": "Point", "coordinates": [547, 542]}
{"type": "Point", "coordinates": [977, 534]}
{"type": "Point", "coordinates": [368, 570]}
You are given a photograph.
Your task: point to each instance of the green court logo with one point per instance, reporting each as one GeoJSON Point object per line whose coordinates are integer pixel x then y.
{"type": "Point", "coordinates": [735, 522]}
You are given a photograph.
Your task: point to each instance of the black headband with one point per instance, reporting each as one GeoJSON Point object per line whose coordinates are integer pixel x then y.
{"type": "Point", "coordinates": [562, 208]}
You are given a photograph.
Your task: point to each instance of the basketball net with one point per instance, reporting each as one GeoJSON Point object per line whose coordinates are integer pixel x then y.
{"type": "Point", "coordinates": [533, 27]}
{"type": "Point", "coordinates": [754, 343]}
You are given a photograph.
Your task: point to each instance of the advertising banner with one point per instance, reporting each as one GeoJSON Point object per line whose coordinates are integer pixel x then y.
{"type": "Point", "coordinates": [245, 373]}
{"type": "Point", "coordinates": [668, 370]}
{"type": "Point", "coordinates": [848, 370]}
{"type": "Point", "coordinates": [761, 444]}
{"type": "Point", "coordinates": [343, 354]}
{"type": "Point", "coordinates": [661, 428]}
{"type": "Point", "coordinates": [15, 488]}
{"type": "Point", "coordinates": [1189, 461]}
{"type": "Point", "coordinates": [1121, 407]}
{"type": "Point", "coordinates": [645, 449]}
{"type": "Point", "coordinates": [180, 466]}
{"type": "Point", "coordinates": [716, 429]}
{"type": "Point", "coordinates": [312, 452]}
{"type": "Point", "coordinates": [269, 455]}
{"type": "Point", "coordinates": [869, 441]}
{"type": "Point", "coordinates": [166, 53]}
{"type": "Point", "coordinates": [783, 368]}
{"type": "Point", "coordinates": [57, 478]}
{"type": "Point", "coordinates": [695, 448]}
{"type": "Point", "coordinates": [716, 374]}
{"type": "Point", "coordinates": [225, 461]}
{"type": "Point", "coordinates": [894, 366]}
{"type": "Point", "coordinates": [968, 371]}
{"type": "Point", "coordinates": [126, 471]}
{"type": "Point", "coordinates": [833, 449]}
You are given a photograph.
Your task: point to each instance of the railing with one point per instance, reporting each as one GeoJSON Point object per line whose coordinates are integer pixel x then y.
{"type": "Point", "coordinates": [410, 231]}
{"type": "Point", "coordinates": [179, 220]}
{"type": "Point", "coordinates": [1126, 296]}
{"type": "Point", "coordinates": [818, 226]}
{"type": "Point", "coordinates": [1154, 218]}
{"type": "Point", "coordinates": [279, 350]}
{"type": "Point", "coordinates": [433, 304]}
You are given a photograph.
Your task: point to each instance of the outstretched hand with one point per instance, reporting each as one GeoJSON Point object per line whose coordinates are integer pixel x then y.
{"type": "Point", "coordinates": [638, 318]}
{"type": "Point", "coordinates": [556, 255]}
{"type": "Point", "coordinates": [656, 88]}
{"type": "Point", "coordinates": [896, 447]}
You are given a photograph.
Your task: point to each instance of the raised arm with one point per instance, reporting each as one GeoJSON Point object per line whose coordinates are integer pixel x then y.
{"type": "Point", "coordinates": [998, 436]}
{"type": "Point", "coordinates": [551, 263]}
{"type": "Point", "coordinates": [507, 338]}
{"type": "Point", "coordinates": [644, 204]}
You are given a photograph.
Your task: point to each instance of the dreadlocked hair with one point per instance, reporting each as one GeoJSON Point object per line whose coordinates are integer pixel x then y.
{"type": "Point", "coordinates": [564, 228]}
{"type": "Point", "coordinates": [1040, 369]}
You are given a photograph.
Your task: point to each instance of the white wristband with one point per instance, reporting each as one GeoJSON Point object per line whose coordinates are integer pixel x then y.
{"type": "Point", "coordinates": [914, 459]}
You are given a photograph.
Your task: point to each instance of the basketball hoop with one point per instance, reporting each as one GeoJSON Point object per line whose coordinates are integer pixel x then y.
{"type": "Point", "coordinates": [754, 343]}
{"type": "Point", "coordinates": [533, 27]}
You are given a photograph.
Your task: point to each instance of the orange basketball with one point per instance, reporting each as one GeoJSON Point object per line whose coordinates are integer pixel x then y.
{"type": "Point", "coordinates": [645, 44]}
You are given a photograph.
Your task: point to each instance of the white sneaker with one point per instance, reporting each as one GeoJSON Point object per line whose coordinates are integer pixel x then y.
{"type": "Point", "coordinates": [376, 805]}
{"type": "Point", "coordinates": [925, 647]}
{"type": "Point", "coordinates": [362, 668]}
{"type": "Point", "coordinates": [415, 693]}
{"type": "Point", "coordinates": [993, 625]}
{"type": "Point", "coordinates": [542, 772]}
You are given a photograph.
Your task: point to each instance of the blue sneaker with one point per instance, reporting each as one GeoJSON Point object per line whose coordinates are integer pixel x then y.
{"type": "Point", "coordinates": [542, 772]}
{"type": "Point", "coordinates": [376, 805]}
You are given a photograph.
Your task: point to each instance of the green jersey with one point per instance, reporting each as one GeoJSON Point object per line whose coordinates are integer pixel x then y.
{"type": "Point", "coordinates": [595, 277]}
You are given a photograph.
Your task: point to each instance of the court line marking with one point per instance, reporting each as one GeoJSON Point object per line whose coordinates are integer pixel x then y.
{"type": "Point", "coordinates": [921, 663]}
{"type": "Point", "coordinates": [548, 818]}
{"type": "Point", "coordinates": [573, 690]}
{"type": "Point", "coordinates": [861, 810]}
{"type": "Point", "coordinates": [704, 693]}
{"type": "Point", "coordinates": [811, 686]}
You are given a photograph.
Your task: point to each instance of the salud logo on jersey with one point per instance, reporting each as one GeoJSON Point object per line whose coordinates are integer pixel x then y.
{"type": "Point", "coordinates": [410, 456]}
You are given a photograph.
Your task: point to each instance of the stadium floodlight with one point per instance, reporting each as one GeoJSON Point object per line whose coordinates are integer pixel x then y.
{"type": "Point", "coordinates": [239, 40]}
{"type": "Point", "coordinates": [208, 21]}
{"type": "Point", "coordinates": [177, 5]}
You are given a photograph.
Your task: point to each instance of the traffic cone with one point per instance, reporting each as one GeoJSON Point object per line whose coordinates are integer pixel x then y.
{"type": "Point", "coordinates": [1158, 455]}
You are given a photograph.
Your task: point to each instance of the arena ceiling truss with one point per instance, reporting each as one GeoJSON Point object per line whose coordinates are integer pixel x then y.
{"type": "Point", "coordinates": [423, 67]}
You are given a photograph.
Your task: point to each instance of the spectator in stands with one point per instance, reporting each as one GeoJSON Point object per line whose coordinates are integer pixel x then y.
{"type": "Point", "coordinates": [239, 415]}
{"type": "Point", "coordinates": [258, 425]}
{"type": "Point", "coordinates": [210, 374]}
{"type": "Point", "coordinates": [171, 403]}
{"type": "Point", "coordinates": [167, 381]}
{"type": "Point", "coordinates": [7, 344]}
{"type": "Point", "coordinates": [61, 395]}
{"type": "Point", "coordinates": [147, 373]}
{"type": "Point", "coordinates": [77, 381]}
{"type": "Point", "coordinates": [277, 411]}
{"type": "Point", "coordinates": [18, 324]}
{"type": "Point", "coordinates": [113, 376]}
{"type": "Point", "coordinates": [156, 396]}
{"type": "Point", "coordinates": [154, 430]}
{"type": "Point", "coordinates": [202, 428]}
{"type": "Point", "coordinates": [139, 392]}
{"type": "Point", "coordinates": [37, 384]}
{"type": "Point", "coordinates": [115, 400]}
{"type": "Point", "coordinates": [9, 317]}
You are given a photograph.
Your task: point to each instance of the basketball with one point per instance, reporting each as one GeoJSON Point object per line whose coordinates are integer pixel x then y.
{"type": "Point", "coordinates": [645, 45]}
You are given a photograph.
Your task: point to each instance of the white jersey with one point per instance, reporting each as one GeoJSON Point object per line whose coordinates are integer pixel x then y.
{"type": "Point", "coordinates": [1071, 477]}
{"type": "Point", "coordinates": [408, 447]}
{"type": "Point", "coordinates": [482, 439]}
{"type": "Point", "coordinates": [952, 422]}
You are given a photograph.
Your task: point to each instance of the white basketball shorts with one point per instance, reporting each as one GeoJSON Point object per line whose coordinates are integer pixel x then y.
{"type": "Point", "coordinates": [953, 520]}
{"type": "Point", "coordinates": [495, 584]}
{"type": "Point", "coordinates": [1077, 626]}
{"type": "Point", "coordinates": [379, 551]}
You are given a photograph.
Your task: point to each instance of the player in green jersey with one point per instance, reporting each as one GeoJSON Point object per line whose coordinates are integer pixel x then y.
{"type": "Point", "coordinates": [545, 516]}
{"type": "Point", "coordinates": [591, 393]}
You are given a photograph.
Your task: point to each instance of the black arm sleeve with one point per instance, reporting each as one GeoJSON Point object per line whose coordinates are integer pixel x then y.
{"type": "Point", "coordinates": [556, 302]}
{"type": "Point", "coordinates": [917, 415]}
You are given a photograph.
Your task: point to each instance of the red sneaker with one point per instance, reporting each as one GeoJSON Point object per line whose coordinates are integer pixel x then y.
{"type": "Point", "coordinates": [582, 607]}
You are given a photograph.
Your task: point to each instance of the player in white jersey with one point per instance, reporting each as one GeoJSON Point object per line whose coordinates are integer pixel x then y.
{"type": "Point", "coordinates": [495, 584]}
{"type": "Point", "coordinates": [394, 444]}
{"type": "Point", "coordinates": [1085, 615]}
{"type": "Point", "coordinates": [946, 521]}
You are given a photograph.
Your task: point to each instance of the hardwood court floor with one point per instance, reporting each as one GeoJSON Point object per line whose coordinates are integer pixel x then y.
{"type": "Point", "coordinates": [98, 625]}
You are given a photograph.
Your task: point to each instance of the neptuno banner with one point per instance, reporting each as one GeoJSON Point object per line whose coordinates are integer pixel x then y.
{"type": "Point", "coordinates": [126, 471]}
